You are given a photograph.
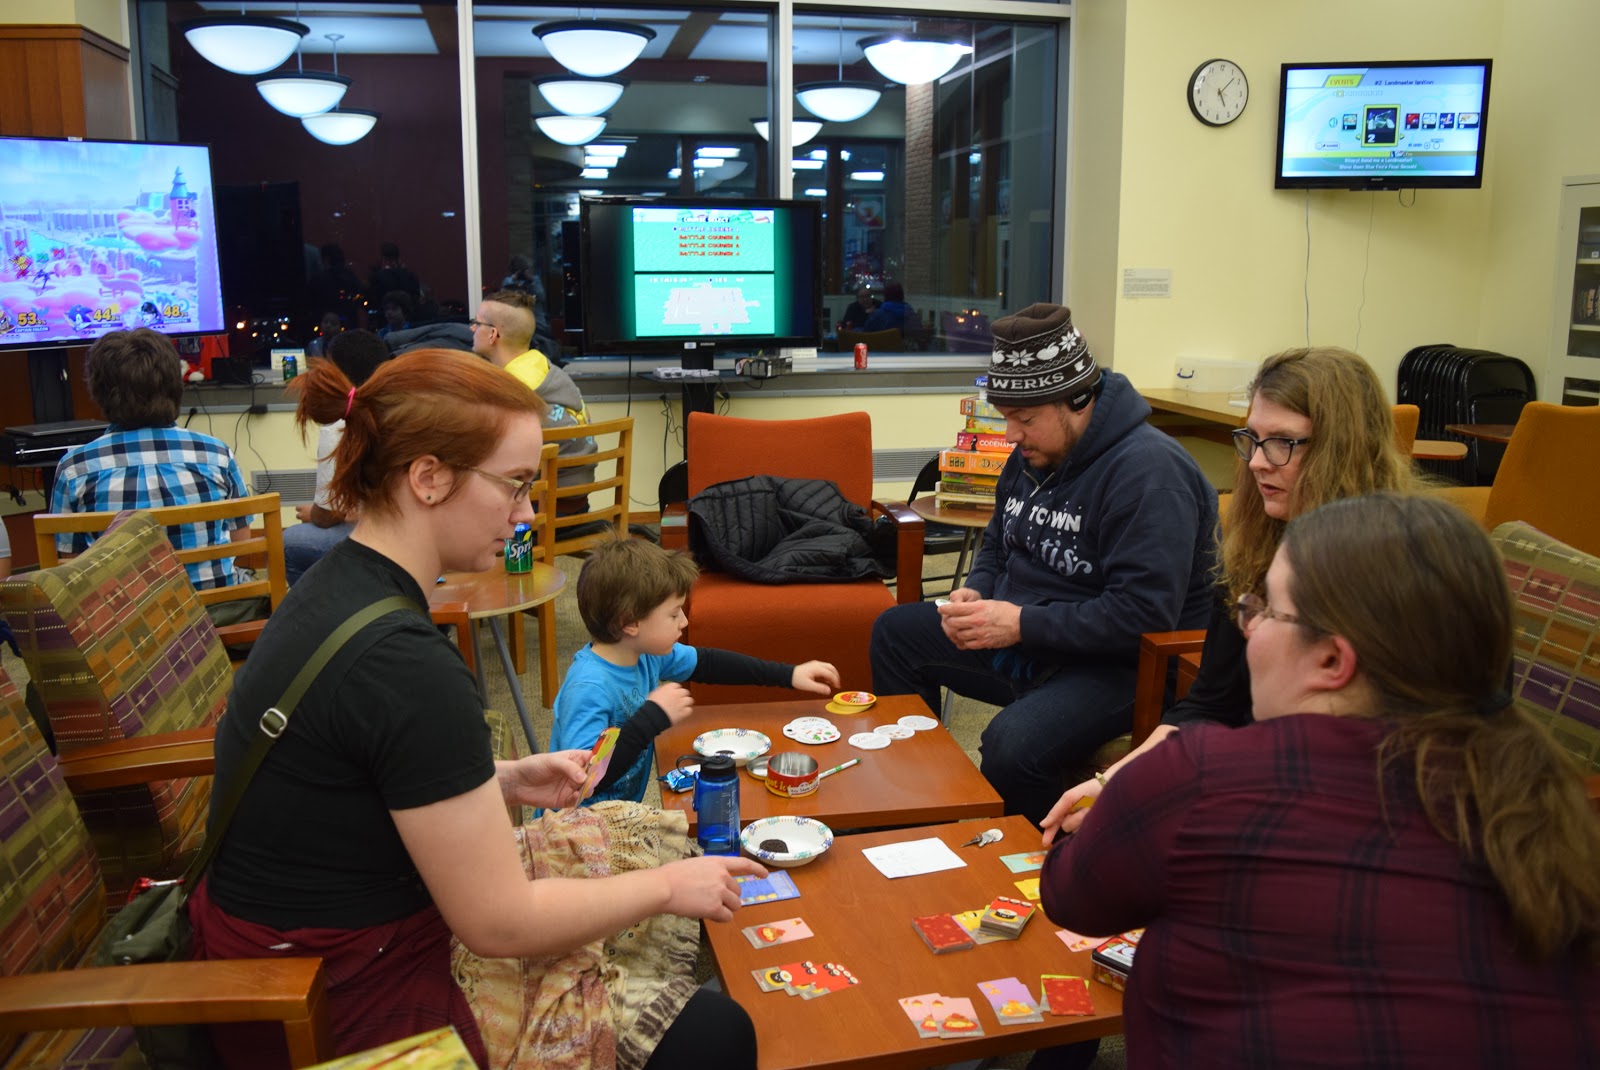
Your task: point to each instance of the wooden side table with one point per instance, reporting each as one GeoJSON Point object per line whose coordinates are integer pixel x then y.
{"type": "Point", "coordinates": [971, 521]}
{"type": "Point", "coordinates": [496, 593]}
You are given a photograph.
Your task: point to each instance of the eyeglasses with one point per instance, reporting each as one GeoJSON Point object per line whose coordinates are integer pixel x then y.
{"type": "Point", "coordinates": [1277, 450]}
{"type": "Point", "coordinates": [520, 488]}
{"type": "Point", "coordinates": [475, 324]}
{"type": "Point", "coordinates": [1252, 607]}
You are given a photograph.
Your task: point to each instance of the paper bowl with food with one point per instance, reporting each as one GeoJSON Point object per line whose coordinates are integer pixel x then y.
{"type": "Point", "coordinates": [785, 842]}
{"type": "Point", "coordinates": [740, 744]}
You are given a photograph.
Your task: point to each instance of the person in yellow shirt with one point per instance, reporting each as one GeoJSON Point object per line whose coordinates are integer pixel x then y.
{"type": "Point", "coordinates": [502, 333]}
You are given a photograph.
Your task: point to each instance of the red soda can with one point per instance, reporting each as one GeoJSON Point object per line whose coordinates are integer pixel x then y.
{"type": "Point", "coordinates": [861, 355]}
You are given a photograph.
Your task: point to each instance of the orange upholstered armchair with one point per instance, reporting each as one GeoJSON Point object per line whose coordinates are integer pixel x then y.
{"type": "Point", "coordinates": [794, 622]}
{"type": "Point", "coordinates": [1547, 477]}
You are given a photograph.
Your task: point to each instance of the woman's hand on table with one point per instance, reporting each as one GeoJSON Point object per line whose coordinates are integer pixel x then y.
{"type": "Point", "coordinates": [705, 887]}
{"type": "Point", "coordinates": [817, 676]}
{"type": "Point", "coordinates": [550, 780]}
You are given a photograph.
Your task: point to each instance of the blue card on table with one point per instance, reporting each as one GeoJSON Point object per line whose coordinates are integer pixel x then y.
{"type": "Point", "coordinates": [776, 885]}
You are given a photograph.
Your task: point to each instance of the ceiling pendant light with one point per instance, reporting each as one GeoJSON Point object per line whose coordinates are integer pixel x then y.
{"type": "Point", "coordinates": [338, 126]}
{"type": "Point", "coordinates": [839, 101]}
{"type": "Point", "coordinates": [580, 96]}
{"type": "Point", "coordinates": [913, 58]}
{"type": "Point", "coordinates": [802, 130]}
{"type": "Point", "coordinates": [594, 47]}
{"type": "Point", "coordinates": [300, 94]}
{"type": "Point", "coordinates": [571, 129]}
{"type": "Point", "coordinates": [244, 44]}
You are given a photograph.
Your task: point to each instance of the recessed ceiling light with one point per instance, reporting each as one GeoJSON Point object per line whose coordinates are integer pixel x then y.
{"type": "Point", "coordinates": [816, 193]}
{"type": "Point", "coordinates": [867, 176]}
{"type": "Point", "coordinates": [607, 149]}
{"type": "Point", "coordinates": [709, 161]}
{"type": "Point", "coordinates": [719, 151]}
{"type": "Point", "coordinates": [804, 164]}
{"type": "Point", "coordinates": [594, 172]}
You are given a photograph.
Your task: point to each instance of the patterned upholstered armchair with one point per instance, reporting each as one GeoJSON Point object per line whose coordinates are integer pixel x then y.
{"type": "Point", "coordinates": [51, 910]}
{"type": "Point", "coordinates": [118, 646]}
{"type": "Point", "coordinates": [1557, 656]}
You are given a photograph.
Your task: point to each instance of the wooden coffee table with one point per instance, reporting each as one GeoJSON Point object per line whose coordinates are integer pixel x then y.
{"type": "Point", "coordinates": [862, 920]}
{"type": "Point", "coordinates": [914, 781]}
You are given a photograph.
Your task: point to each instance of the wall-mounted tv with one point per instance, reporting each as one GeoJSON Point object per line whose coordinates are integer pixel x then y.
{"type": "Point", "coordinates": [1384, 125]}
{"type": "Point", "coordinates": [674, 274]}
{"type": "Point", "coordinates": [103, 236]}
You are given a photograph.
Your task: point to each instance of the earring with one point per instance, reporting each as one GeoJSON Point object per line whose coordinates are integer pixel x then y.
{"type": "Point", "coordinates": [430, 497]}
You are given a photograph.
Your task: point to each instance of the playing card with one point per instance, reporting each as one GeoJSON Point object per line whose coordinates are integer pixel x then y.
{"type": "Point", "coordinates": [801, 975]}
{"type": "Point", "coordinates": [1025, 862]}
{"type": "Point", "coordinates": [1006, 916]}
{"type": "Point", "coordinates": [771, 979]}
{"type": "Point", "coordinates": [942, 933]}
{"type": "Point", "coordinates": [1012, 1002]}
{"type": "Point", "coordinates": [923, 1011]}
{"type": "Point", "coordinates": [1066, 995]}
{"type": "Point", "coordinates": [1075, 941]}
{"type": "Point", "coordinates": [959, 1020]}
{"type": "Point", "coordinates": [1029, 888]}
{"type": "Point", "coordinates": [777, 932]}
{"type": "Point", "coordinates": [969, 920]}
{"type": "Point", "coordinates": [599, 760]}
{"type": "Point", "coordinates": [774, 886]}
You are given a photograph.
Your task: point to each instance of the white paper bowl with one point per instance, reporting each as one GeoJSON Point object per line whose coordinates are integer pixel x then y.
{"type": "Point", "coordinates": [740, 744]}
{"type": "Point", "coordinates": [805, 837]}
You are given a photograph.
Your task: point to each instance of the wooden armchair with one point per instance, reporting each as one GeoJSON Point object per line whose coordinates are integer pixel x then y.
{"type": "Point", "coordinates": [795, 622]}
{"type": "Point", "coordinates": [52, 904]}
{"type": "Point", "coordinates": [1547, 477]}
{"type": "Point", "coordinates": [264, 551]}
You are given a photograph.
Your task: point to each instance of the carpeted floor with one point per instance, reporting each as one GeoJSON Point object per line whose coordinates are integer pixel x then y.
{"type": "Point", "coordinates": [966, 722]}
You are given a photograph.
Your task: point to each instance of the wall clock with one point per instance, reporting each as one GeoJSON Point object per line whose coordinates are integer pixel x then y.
{"type": "Point", "coordinates": [1218, 92]}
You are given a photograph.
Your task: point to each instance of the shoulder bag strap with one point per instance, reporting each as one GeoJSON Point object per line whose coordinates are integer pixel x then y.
{"type": "Point", "coordinates": [276, 719]}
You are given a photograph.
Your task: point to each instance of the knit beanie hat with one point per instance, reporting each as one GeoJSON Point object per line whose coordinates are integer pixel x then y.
{"type": "Point", "coordinates": [1039, 358]}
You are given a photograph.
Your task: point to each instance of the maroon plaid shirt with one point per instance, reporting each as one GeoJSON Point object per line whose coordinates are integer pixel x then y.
{"type": "Point", "coordinates": [1291, 925]}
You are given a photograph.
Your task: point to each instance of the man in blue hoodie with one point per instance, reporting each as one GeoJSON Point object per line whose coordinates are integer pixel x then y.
{"type": "Point", "coordinates": [1103, 530]}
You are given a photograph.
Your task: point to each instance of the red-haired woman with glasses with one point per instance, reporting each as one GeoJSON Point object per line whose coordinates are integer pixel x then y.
{"type": "Point", "coordinates": [375, 834]}
{"type": "Point", "coordinates": [1319, 429]}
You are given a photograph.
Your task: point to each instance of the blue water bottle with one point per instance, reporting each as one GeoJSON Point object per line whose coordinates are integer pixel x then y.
{"type": "Point", "coordinates": [716, 805]}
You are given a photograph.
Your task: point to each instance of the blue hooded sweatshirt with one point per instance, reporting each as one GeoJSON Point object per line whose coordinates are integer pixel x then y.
{"type": "Point", "coordinates": [1118, 540]}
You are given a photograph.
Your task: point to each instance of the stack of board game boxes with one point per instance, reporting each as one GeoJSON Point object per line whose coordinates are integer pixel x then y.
{"type": "Point", "coordinates": [969, 473]}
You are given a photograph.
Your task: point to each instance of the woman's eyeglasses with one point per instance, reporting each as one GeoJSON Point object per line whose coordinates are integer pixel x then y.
{"type": "Point", "coordinates": [1277, 450]}
{"type": "Point", "coordinates": [520, 488]}
{"type": "Point", "coordinates": [1250, 608]}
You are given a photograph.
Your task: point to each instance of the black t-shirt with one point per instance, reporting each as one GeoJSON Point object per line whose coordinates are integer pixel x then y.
{"type": "Point", "coordinates": [394, 721]}
{"type": "Point", "coordinates": [1221, 689]}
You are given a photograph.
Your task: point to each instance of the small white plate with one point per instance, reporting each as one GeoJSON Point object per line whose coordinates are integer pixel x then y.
{"type": "Point", "coordinates": [869, 741]}
{"type": "Point", "coordinates": [918, 723]}
{"type": "Point", "coordinates": [894, 731]}
{"type": "Point", "coordinates": [809, 722]}
{"type": "Point", "coordinates": [740, 744]}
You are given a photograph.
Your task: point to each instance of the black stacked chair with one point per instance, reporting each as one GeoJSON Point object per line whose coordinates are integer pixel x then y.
{"type": "Point", "coordinates": [1451, 385]}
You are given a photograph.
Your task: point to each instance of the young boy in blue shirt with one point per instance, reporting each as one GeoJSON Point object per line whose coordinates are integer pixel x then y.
{"type": "Point", "coordinates": [630, 596]}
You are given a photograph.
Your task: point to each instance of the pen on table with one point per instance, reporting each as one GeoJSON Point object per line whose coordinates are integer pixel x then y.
{"type": "Point", "coordinates": [841, 765]}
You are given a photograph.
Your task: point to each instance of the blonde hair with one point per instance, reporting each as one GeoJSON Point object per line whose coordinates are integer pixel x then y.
{"type": "Point", "coordinates": [1352, 451]}
{"type": "Point", "coordinates": [1419, 592]}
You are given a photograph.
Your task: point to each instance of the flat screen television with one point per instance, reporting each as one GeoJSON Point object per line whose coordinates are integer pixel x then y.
{"type": "Point", "coordinates": [1394, 124]}
{"type": "Point", "coordinates": [102, 236]}
{"type": "Point", "coordinates": [693, 276]}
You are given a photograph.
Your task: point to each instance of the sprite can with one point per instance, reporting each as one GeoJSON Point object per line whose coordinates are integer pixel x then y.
{"type": "Point", "coordinates": [519, 549]}
{"type": "Point", "coordinates": [291, 367]}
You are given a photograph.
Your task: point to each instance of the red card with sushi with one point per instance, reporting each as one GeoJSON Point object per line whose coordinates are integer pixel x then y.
{"type": "Point", "coordinates": [942, 933]}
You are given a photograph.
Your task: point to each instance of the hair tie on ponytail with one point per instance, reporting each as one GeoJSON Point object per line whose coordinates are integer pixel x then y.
{"type": "Point", "coordinates": [349, 402]}
{"type": "Point", "coordinates": [1490, 705]}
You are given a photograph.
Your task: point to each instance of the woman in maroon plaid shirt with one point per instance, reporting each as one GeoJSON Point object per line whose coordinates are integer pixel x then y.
{"type": "Point", "coordinates": [1394, 866]}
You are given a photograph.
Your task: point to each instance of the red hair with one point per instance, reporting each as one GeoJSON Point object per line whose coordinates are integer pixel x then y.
{"type": "Point", "coordinates": [429, 402]}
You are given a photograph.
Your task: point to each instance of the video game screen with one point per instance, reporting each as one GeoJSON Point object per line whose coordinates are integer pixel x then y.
{"type": "Point", "coordinates": [104, 236]}
{"type": "Point", "coordinates": [732, 272]}
{"type": "Point", "coordinates": [1391, 125]}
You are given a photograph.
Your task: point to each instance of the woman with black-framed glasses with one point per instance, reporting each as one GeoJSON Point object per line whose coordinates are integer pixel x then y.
{"type": "Point", "coordinates": [1319, 428]}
